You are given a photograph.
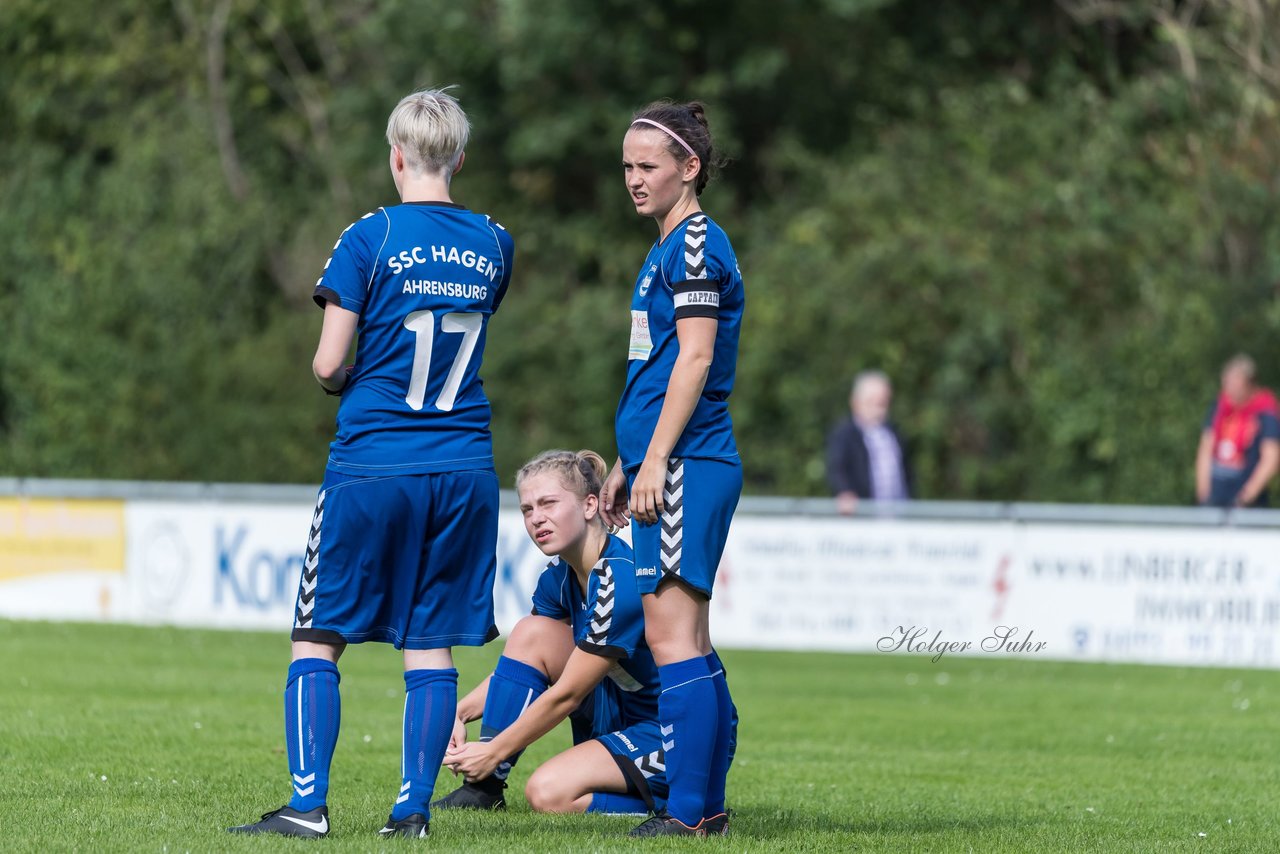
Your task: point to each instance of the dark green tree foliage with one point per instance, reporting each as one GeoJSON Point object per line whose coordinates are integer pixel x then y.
{"type": "Point", "coordinates": [1049, 223]}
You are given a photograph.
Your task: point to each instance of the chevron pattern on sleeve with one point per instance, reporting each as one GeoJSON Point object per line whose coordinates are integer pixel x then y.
{"type": "Point", "coordinates": [673, 517]}
{"type": "Point", "coordinates": [695, 242]}
{"type": "Point", "coordinates": [310, 571]}
{"type": "Point", "coordinates": [602, 614]}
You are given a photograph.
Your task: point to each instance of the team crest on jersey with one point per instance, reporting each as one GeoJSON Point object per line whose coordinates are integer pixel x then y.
{"type": "Point", "coordinates": [648, 279]}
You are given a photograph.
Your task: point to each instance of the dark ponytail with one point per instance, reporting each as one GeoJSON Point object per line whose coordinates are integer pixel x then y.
{"type": "Point", "coordinates": [689, 122]}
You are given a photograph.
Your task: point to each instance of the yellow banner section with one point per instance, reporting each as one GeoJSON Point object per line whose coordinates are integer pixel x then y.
{"type": "Point", "coordinates": [47, 535]}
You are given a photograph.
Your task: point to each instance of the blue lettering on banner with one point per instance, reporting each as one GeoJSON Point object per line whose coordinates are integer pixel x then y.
{"type": "Point", "coordinates": [261, 580]}
{"type": "Point", "coordinates": [513, 551]}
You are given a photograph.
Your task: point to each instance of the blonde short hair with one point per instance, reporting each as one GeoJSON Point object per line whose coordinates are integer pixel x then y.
{"type": "Point", "coordinates": [431, 130]}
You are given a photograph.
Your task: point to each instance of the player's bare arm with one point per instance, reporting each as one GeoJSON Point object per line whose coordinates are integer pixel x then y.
{"type": "Point", "coordinates": [697, 338]}
{"type": "Point", "coordinates": [582, 674]}
{"type": "Point", "coordinates": [336, 336]}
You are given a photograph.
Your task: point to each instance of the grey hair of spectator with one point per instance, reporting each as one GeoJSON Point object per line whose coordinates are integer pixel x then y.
{"type": "Point", "coordinates": [863, 378]}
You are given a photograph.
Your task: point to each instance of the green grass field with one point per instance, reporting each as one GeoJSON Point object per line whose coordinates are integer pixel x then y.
{"type": "Point", "coordinates": [134, 739]}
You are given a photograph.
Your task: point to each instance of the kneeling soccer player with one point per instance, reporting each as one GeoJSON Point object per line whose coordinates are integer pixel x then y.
{"type": "Point", "coordinates": [607, 684]}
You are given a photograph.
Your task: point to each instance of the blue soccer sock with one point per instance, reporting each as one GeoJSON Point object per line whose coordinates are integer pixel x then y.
{"type": "Point", "coordinates": [612, 803]}
{"type": "Point", "coordinates": [312, 714]}
{"type": "Point", "coordinates": [722, 754]}
{"type": "Point", "coordinates": [512, 689]}
{"type": "Point", "coordinates": [688, 712]}
{"type": "Point", "coordinates": [430, 708]}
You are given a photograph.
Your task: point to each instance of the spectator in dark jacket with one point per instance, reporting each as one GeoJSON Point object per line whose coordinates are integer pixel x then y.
{"type": "Point", "coordinates": [866, 457]}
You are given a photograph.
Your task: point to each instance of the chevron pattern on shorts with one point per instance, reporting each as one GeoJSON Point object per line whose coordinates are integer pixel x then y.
{"type": "Point", "coordinates": [310, 570]}
{"type": "Point", "coordinates": [654, 763]}
{"type": "Point", "coordinates": [673, 517]}
{"type": "Point", "coordinates": [601, 617]}
{"type": "Point", "coordinates": [695, 241]}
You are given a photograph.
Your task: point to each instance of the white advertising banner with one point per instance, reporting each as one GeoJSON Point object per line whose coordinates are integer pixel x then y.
{"type": "Point", "coordinates": [1133, 593]}
{"type": "Point", "coordinates": [841, 584]}
{"type": "Point", "coordinates": [238, 565]}
{"type": "Point", "coordinates": [1166, 595]}
{"type": "Point", "coordinates": [215, 564]}
{"type": "Point", "coordinates": [1125, 593]}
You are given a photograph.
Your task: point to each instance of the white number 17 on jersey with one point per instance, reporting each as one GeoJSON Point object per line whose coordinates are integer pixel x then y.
{"type": "Point", "coordinates": [423, 325]}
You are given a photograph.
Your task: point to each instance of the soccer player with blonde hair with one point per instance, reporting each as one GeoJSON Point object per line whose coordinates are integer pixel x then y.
{"type": "Point", "coordinates": [402, 548]}
{"type": "Point", "coordinates": [580, 654]}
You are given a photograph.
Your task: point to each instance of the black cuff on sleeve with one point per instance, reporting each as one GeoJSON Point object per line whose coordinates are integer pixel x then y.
{"type": "Point", "coordinates": [324, 295]}
{"type": "Point", "coordinates": [602, 650]}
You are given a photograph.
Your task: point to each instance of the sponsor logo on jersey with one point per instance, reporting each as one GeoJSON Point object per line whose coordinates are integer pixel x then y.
{"type": "Point", "coordinates": [623, 679]}
{"type": "Point", "coordinates": [648, 280]}
{"type": "Point", "coordinates": [443, 255]}
{"type": "Point", "coordinates": [641, 341]}
{"type": "Point", "coordinates": [646, 570]}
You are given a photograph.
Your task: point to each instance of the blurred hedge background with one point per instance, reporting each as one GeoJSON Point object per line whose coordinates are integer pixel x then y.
{"type": "Point", "coordinates": [1050, 223]}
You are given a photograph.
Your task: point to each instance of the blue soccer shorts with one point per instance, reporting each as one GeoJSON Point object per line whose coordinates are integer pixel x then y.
{"type": "Point", "coordinates": [643, 761]}
{"type": "Point", "coordinates": [688, 540]}
{"type": "Point", "coordinates": [407, 560]}
{"type": "Point", "coordinates": [639, 752]}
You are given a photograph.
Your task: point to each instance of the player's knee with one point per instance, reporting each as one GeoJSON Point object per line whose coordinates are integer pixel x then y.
{"type": "Point", "coordinates": [529, 638]}
{"type": "Point", "coordinates": [524, 637]}
{"type": "Point", "coordinates": [544, 795]}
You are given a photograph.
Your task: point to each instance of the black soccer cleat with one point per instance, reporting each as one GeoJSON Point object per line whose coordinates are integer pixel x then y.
{"type": "Point", "coordinates": [415, 826]}
{"type": "Point", "coordinates": [717, 825]}
{"type": "Point", "coordinates": [470, 796]}
{"type": "Point", "coordinates": [661, 824]}
{"type": "Point", "coordinates": [287, 821]}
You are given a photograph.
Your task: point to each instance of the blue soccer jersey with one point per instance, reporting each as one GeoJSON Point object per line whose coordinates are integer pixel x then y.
{"type": "Point", "coordinates": [692, 272]}
{"type": "Point", "coordinates": [607, 621]}
{"type": "Point", "coordinates": [425, 277]}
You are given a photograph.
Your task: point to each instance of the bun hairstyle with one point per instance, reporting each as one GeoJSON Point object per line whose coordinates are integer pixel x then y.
{"type": "Point", "coordinates": [688, 123]}
{"type": "Point", "coordinates": [582, 473]}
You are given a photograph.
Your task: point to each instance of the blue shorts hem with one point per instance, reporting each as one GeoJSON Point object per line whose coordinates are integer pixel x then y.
{"type": "Point", "coordinates": [391, 636]}
{"type": "Point", "coordinates": [648, 585]}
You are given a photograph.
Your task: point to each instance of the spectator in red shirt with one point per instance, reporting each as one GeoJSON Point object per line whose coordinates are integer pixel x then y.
{"type": "Point", "coordinates": [1240, 444]}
